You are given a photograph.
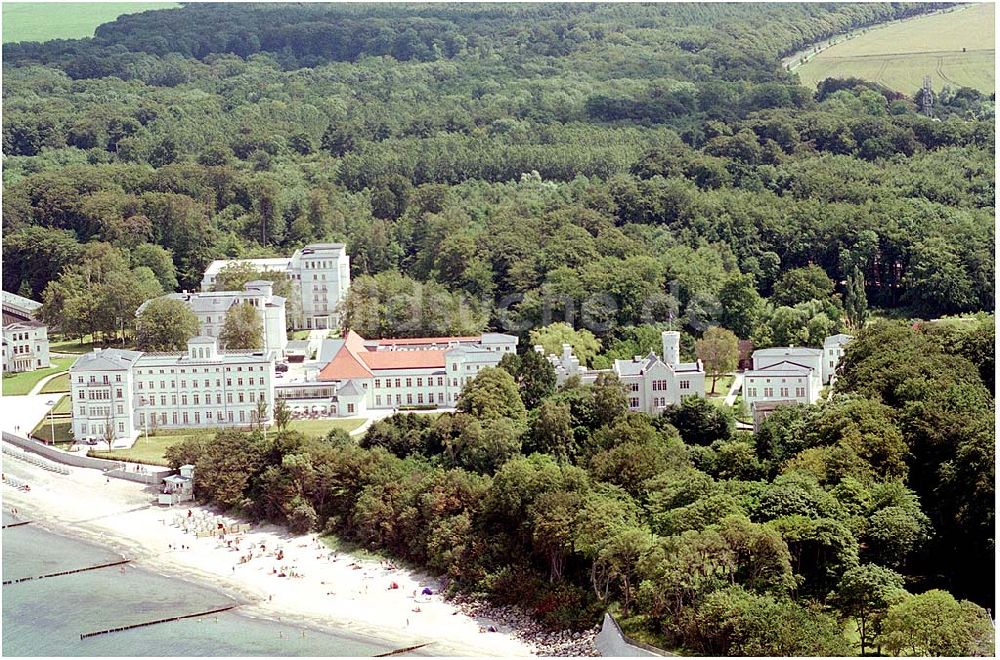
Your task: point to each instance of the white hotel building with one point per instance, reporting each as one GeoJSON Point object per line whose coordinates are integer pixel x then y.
{"type": "Point", "coordinates": [132, 392]}
{"type": "Point", "coordinates": [395, 373]}
{"type": "Point", "coordinates": [211, 306]}
{"type": "Point", "coordinates": [320, 271]}
{"type": "Point", "coordinates": [790, 375]}
{"type": "Point", "coordinates": [651, 383]}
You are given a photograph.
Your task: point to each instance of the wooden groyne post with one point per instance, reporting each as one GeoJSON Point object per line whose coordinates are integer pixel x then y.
{"type": "Point", "coordinates": [402, 651]}
{"type": "Point", "coordinates": [153, 623]}
{"type": "Point", "coordinates": [17, 524]}
{"type": "Point", "coordinates": [75, 570]}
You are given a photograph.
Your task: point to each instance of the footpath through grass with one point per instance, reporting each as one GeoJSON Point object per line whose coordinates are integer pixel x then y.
{"type": "Point", "coordinates": [42, 21]}
{"type": "Point", "coordinates": [21, 383]}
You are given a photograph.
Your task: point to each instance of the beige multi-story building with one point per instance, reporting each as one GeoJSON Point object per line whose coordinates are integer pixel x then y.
{"type": "Point", "coordinates": [321, 273]}
{"type": "Point", "coordinates": [129, 392]}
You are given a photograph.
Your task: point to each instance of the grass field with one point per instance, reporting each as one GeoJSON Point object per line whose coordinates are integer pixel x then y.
{"type": "Point", "coordinates": [144, 450]}
{"type": "Point", "coordinates": [65, 405]}
{"type": "Point", "coordinates": [320, 427]}
{"type": "Point", "coordinates": [721, 386]}
{"type": "Point", "coordinates": [63, 429]}
{"type": "Point", "coordinates": [21, 383]}
{"type": "Point", "coordinates": [900, 54]}
{"type": "Point", "coordinates": [56, 385]}
{"type": "Point", "coordinates": [41, 21]}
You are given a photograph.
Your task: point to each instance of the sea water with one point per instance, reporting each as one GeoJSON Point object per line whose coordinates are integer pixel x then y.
{"type": "Point", "coordinates": [46, 617]}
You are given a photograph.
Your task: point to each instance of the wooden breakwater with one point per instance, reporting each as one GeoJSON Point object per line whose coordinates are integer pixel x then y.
{"type": "Point", "coordinates": [153, 623]}
{"type": "Point", "coordinates": [402, 651]}
{"type": "Point", "coordinates": [70, 572]}
{"type": "Point", "coordinates": [17, 524]}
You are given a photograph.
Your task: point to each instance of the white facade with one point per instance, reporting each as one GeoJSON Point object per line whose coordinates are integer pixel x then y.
{"type": "Point", "coordinates": [101, 388]}
{"type": "Point", "coordinates": [25, 346]}
{"type": "Point", "coordinates": [321, 271]}
{"type": "Point", "coordinates": [388, 374]}
{"type": "Point", "coordinates": [651, 383]}
{"type": "Point", "coordinates": [792, 374]}
{"type": "Point", "coordinates": [211, 306]}
{"type": "Point", "coordinates": [833, 351]}
{"type": "Point", "coordinates": [200, 388]}
{"type": "Point", "coordinates": [782, 381]}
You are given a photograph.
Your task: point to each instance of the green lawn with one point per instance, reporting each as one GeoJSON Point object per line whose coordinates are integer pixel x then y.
{"type": "Point", "coordinates": [145, 450]}
{"type": "Point", "coordinates": [56, 385]}
{"type": "Point", "coordinates": [63, 429]}
{"type": "Point", "coordinates": [21, 383]}
{"type": "Point", "coordinates": [298, 334]}
{"type": "Point", "coordinates": [37, 21]}
{"type": "Point", "coordinates": [899, 55]}
{"type": "Point", "coordinates": [320, 427]}
{"type": "Point", "coordinates": [721, 386]}
{"type": "Point", "coordinates": [65, 405]}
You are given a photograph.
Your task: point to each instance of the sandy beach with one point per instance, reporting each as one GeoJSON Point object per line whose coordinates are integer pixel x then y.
{"type": "Point", "coordinates": [343, 592]}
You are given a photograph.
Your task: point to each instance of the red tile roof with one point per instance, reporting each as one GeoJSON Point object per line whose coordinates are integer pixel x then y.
{"type": "Point", "coordinates": [403, 359]}
{"type": "Point", "coordinates": [423, 340]}
{"type": "Point", "coordinates": [346, 363]}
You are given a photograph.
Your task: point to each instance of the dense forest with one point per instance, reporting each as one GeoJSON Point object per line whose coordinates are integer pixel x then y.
{"type": "Point", "coordinates": [498, 157]}
{"type": "Point", "coordinates": [840, 528]}
{"type": "Point", "coordinates": [616, 167]}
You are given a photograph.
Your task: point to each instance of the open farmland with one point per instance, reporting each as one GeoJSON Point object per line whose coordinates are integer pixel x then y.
{"type": "Point", "coordinates": [899, 55]}
{"type": "Point", "coordinates": [41, 21]}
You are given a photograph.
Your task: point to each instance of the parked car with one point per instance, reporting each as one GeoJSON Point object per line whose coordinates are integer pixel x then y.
{"type": "Point", "coordinates": [281, 367]}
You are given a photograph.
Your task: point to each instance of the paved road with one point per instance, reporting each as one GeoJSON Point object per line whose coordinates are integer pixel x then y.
{"type": "Point", "coordinates": [20, 414]}
{"type": "Point", "coordinates": [734, 390]}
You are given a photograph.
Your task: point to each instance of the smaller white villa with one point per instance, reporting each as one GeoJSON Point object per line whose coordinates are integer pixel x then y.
{"type": "Point", "coordinates": [211, 306]}
{"type": "Point", "coordinates": [651, 383]}
{"type": "Point", "coordinates": [25, 346]}
{"type": "Point", "coordinates": [25, 341]}
{"type": "Point", "coordinates": [790, 375]}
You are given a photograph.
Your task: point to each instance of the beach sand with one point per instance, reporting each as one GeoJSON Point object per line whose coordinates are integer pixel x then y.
{"type": "Point", "coordinates": [347, 593]}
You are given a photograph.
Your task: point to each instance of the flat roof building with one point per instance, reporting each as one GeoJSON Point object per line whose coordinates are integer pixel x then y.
{"type": "Point", "coordinates": [321, 273]}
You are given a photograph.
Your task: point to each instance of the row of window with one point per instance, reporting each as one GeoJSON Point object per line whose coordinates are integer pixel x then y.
{"type": "Point", "coordinates": [205, 383]}
{"type": "Point", "coordinates": [409, 382]}
{"type": "Point", "coordinates": [24, 349]}
{"type": "Point", "coordinates": [149, 372]}
{"type": "Point", "coordinates": [196, 399]}
{"type": "Point", "coordinates": [410, 399]}
{"type": "Point", "coordinates": [98, 429]}
{"type": "Point", "coordinates": [186, 418]}
{"type": "Point", "coordinates": [800, 392]}
{"type": "Point", "coordinates": [100, 395]}
{"type": "Point", "coordinates": [104, 379]}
